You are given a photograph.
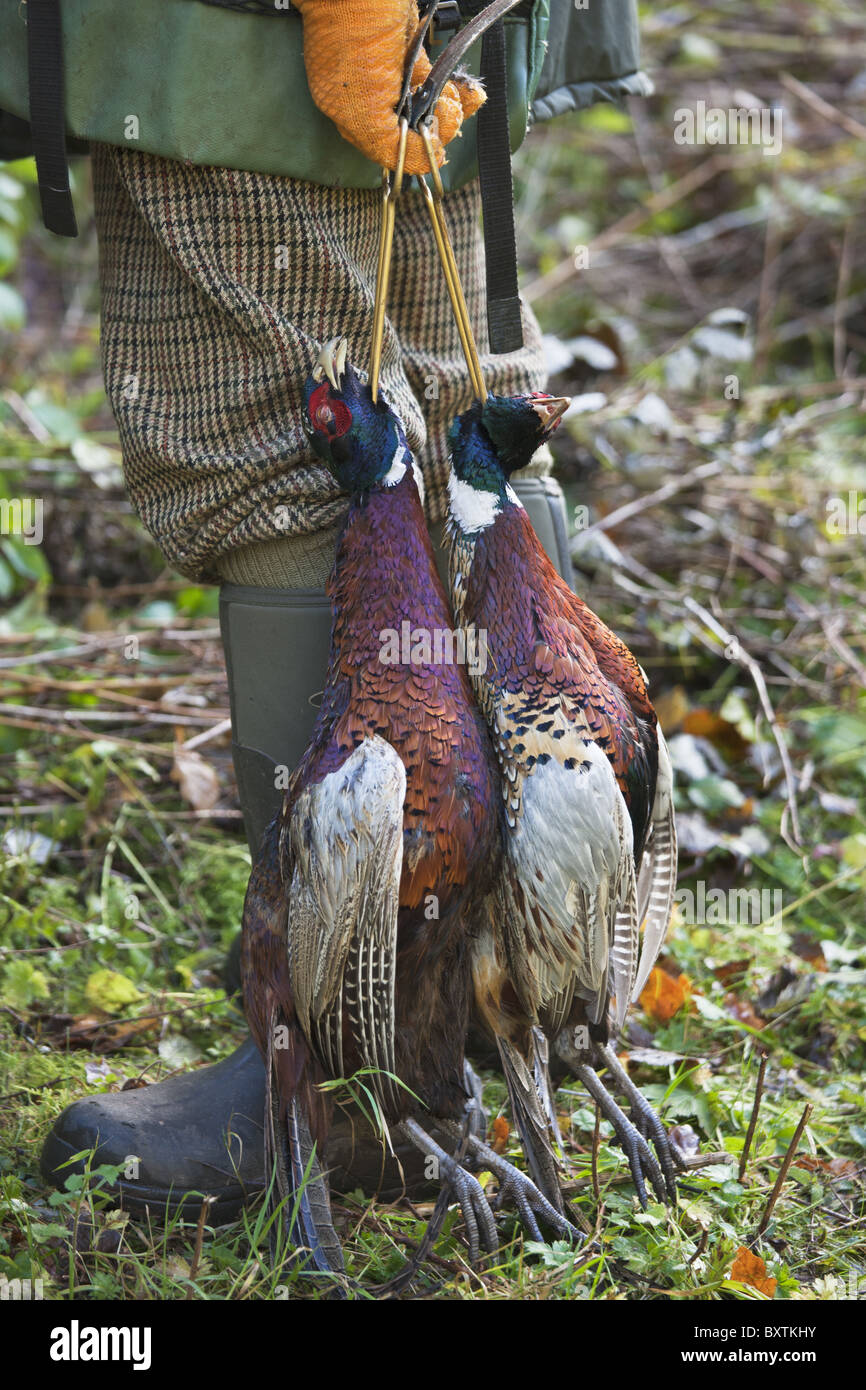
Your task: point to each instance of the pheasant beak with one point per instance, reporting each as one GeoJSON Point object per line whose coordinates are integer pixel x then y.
{"type": "Point", "coordinates": [331, 362]}
{"type": "Point", "coordinates": [550, 410]}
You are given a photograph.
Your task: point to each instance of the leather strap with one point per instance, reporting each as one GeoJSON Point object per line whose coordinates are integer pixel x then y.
{"type": "Point", "coordinates": [47, 123]}
{"type": "Point", "coordinates": [504, 322]}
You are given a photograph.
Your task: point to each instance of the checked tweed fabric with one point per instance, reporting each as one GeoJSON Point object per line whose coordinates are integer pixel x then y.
{"type": "Point", "coordinates": [218, 289]}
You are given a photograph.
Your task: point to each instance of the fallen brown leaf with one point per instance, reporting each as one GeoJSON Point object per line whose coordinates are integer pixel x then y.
{"type": "Point", "coordinates": [750, 1269]}
{"type": "Point", "coordinates": [732, 970]}
{"type": "Point", "coordinates": [663, 995]}
{"type": "Point", "coordinates": [703, 723]}
{"type": "Point", "coordinates": [741, 1008]}
{"type": "Point", "coordinates": [199, 783]}
{"type": "Point", "coordinates": [501, 1131]}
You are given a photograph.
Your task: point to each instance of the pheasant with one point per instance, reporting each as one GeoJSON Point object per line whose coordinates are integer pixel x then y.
{"type": "Point", "coordinates": [590, 846]}
{"type": "Point", "coordinates": [356, 950]}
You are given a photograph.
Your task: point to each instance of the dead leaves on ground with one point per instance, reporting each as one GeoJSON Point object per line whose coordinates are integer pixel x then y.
{"type": "Point", "coordinates": [750, 1269]}
{"type": "Point", "coordinates": [664, 995]}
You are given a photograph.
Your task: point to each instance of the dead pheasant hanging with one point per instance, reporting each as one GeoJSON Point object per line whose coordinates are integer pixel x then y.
{"type": "Point", "coordinates": [590, 847]}
{"type": "Point", "coordinates": [357, 920]}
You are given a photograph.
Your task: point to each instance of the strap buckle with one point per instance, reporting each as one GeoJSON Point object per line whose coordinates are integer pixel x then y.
{"type": "Point", "coordinates": [447, 16]}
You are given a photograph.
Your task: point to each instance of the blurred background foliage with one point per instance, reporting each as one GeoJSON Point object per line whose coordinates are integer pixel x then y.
{"type": "Point", "coordinates": [706, 307]}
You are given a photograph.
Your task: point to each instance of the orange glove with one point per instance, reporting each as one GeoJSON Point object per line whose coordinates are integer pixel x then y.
{"type": "Point", "coordinates": [355, 53]}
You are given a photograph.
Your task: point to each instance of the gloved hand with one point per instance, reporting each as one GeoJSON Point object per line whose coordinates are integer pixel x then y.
{"type": "Point", "coordinates": [354, 53]}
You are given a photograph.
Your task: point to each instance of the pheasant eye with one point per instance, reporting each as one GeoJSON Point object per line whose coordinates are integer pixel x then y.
{"type": "Point", "coordinates": [329, 416]}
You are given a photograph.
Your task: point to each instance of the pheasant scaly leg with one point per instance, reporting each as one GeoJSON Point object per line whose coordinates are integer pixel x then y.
{"type": "Point", "coordinates": [645, 1118]}
{"type": "Point", "coordinates": [529, 1201]}
{"type": "Point", "coordinates": [480, 1226]}
{"type": "Point", "coordinates": [641, 1159]}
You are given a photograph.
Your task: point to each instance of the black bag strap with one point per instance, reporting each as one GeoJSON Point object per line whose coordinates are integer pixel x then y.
{"type": "Point", "coordinates": [47, 123]}
{"type": "Point", "coordinates": [504, 322]}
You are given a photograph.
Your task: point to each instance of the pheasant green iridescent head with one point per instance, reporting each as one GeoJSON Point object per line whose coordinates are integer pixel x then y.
{"type": "Point", "coordinates": [490, 441]}
{"type": "Point", "coordinates": [357, 439]}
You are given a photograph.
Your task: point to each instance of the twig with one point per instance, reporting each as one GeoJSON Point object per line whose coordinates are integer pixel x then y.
{"type": "Point", "coordinates": [155, 635]}
{"type": "Point", "coordinates": [596, 1140]}
{"type": "Point", "coordinates": [783, 1171]}
{"type": "Point", "coordinates": [62, 654]}
{"type": "Point", "coordinates": [737, 653]}
{"type": "Point", "coordinates": [822, 107]}
{"type": "Point", "coordinates": [651, 499]}
{"type": "Point", "coordinates": [224, 727]}
{"type": "Point", "coordinates": [767, 284]}
{"type": "Point", "coordinates": [759, 1091]}
{"type": "Point", "coordinates": [842, 286]}
{"type": "Point", "coordinates": [702, 1245]}
{"type": "Point", "coordinates": [26, 416]}
{"type": "Point", "coordinates": [199, 1241]}
{"type": "Point", "coordinates": [153, 750]}
{"type": "Point", "coordinates": [104, 716]}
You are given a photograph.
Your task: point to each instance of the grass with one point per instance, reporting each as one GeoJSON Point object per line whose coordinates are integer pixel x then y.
{"type": "Point", "coordinates": [120, 890]}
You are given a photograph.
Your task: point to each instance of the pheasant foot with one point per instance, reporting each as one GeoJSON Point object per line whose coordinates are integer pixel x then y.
{"type": "Point", "coordinates": [480, 1225]}
{"type": "Point", "coordinates": [641, 1159]}
{"type": "Point", "coordinates": [530, 1202]}
{"type": "Point", "coordinates": [645, 1119]}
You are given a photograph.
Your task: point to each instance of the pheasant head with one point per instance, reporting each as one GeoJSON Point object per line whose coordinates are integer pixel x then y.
{"type": "Point", "coordinates": [490, 441]}
{"type": "Point", "coordinates": [356, 438]}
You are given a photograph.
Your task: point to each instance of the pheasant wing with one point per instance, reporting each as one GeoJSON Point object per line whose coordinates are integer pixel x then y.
{"type": "Point", "coordinates": [294, 1122]}
{"type": "Point", "coordinates": [572, 920]}
{"type": "Point", "coordinates": [346, 847]}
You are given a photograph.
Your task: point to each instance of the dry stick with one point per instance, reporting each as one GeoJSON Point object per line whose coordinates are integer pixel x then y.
{"type": "Point", "coordinates": [702, 1245]}
{"type": "Point", "coordinates": [823, 108]}
{"type": "Point", "coordinates": [659, 202]}
{"type": "Point", "coordinates": [843, 284]}
{"type": "Point", "coordinates": [650, 499]}
{"type": "Point", "coordinates": [596, 1139]}
{"type": "Point", "coordinates": [783, 1171]}
{"type": "Point", "coordinates": [26, 416]}
{"type": "Point", "coordinates": [147, 635]}
{"type": "Point", "coordinates": [224, 727]}
{"type": "Point", "coordinates": [61, 654]}
{"type": "Point", "coordinates": [199, 1241]}
{"type": "Point", "coordinates": [98, 684]}
{"type": "Point", "coordinates": [156, 750]}
{"type": "Point", "coordinates": [745, 659]}
{"type": "Point", "coordinates": [767, 285]}
{"type": "Point", "coordinates": [104, 716]}
{"type": "Point", "coordinates": [759, 1091]}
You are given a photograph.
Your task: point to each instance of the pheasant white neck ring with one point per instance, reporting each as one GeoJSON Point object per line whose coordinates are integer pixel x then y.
{"type": "Point", "coordinates": [397, 471]}
{"type": "Point", "coordinates": [475, 509]}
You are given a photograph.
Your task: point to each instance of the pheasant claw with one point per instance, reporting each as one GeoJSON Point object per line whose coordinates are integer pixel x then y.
{"type": "Point", "coordinates": [529, 1201]}
{"type": "Point", "coordinates": [645, 1119]}
{"type": "Point", "coordinates": [477, 1215]}
{"type": "Point", "coordinates": [641, 1159]}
